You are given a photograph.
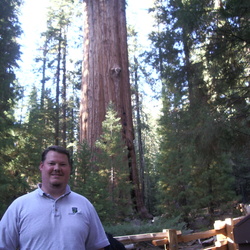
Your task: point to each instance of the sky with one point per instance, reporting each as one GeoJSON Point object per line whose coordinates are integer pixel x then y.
{"type": "Point", "coordinates": [33, 21]}
{"type": "Point", "coordinates": [138, 16]}
{"type": "Point", "coordinates": [33, 17]}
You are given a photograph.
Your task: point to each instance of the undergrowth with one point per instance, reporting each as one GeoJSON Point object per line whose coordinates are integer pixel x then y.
{"type": "Point", "coordinates": [142, 227]}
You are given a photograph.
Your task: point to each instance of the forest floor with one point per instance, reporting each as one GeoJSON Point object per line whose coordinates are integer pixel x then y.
{"type": "Point", "coordinates": [199, 224]}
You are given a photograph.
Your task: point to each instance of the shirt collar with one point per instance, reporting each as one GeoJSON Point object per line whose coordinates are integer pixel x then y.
{"type": "Point", "coordinates": [42, 193]}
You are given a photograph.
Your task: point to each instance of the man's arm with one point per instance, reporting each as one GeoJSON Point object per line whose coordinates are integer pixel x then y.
{"type": "Point", "coordinates": [8, 231]}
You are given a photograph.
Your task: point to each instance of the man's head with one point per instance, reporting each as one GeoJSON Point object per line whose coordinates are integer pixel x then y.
{"type": "Point", "coordinates": [55, 169]}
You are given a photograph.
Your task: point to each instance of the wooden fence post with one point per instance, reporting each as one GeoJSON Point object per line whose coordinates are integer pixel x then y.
{"type": "Point", "coordinates": [227, 236]}
{"type": "Point", "coordinates": [230, 236]}
{"type": "Point", "coordinates": [172, 238]}
{"type": "Point", "coordinates": [218, 225]}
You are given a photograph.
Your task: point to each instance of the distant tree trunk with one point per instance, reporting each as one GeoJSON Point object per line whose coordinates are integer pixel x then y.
{"type": "Point", "coordinates": [58, 88]}
{"type": "Point", "coordinates": [106, 78]}
{"type": "Point", "coordinates": [64, 90]}
{"type": "Point", "coordinates": [139, 131]}
{"type": "Point", "coordinates": [45, 51]}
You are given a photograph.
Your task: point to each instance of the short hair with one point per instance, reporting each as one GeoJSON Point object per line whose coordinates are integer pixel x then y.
{"type": "Point", "coordinates": [57, 149]}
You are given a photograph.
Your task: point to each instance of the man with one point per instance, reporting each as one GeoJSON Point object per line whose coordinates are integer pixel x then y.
{"type": "Point", "coordinates": [52, 217]}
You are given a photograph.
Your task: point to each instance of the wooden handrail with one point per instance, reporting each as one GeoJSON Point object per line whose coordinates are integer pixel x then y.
{"type": "Point", "coordinates": [222, 229]}
{"type": "Point", "coordinates": [200, 235]}
{"type": "Point", "coordinates": [142, 237]}
{"type": "Point", "coordinates": [190, 237]}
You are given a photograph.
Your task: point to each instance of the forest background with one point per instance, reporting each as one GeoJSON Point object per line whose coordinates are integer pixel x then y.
{"type": "Point", "coordinates": [193, 159]}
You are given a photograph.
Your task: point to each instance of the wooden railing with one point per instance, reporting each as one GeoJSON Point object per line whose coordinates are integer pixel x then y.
{"type": "Point", "coordinates": [223, 230]}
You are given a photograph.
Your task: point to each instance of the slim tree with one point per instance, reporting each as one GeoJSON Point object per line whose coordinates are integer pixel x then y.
{"type": "Point", "coordinates": [106, 79]}
{"type": "Point", "coordinates": [55, 66]}
{"type": "Point", "coordinates": [9, 54]}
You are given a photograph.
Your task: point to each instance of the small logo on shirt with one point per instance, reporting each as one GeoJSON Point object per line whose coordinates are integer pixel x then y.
{"type": "Point", "coordinates": [74, 210]}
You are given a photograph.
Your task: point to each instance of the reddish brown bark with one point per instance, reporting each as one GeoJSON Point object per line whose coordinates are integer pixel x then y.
{"type": "Point", "coordinates": [106, 77]}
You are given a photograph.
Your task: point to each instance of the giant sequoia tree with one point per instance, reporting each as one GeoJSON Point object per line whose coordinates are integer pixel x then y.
{"type": "Point", "coordinates": [106, 78]}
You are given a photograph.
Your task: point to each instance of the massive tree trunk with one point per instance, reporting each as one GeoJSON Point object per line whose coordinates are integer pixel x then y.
{"type": "Point", "coordinates": [106, 78]}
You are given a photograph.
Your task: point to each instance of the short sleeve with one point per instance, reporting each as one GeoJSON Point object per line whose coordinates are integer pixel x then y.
{"type": "Point", "coordinates": [9, 232]}
{"type": "Point", "coordinates": [97, 237]}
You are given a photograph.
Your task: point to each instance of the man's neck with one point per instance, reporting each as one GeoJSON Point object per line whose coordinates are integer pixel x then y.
{"type": "Point", "coordinates": [54, 190]}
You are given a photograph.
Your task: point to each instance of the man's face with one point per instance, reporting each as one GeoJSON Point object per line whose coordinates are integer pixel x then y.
{"type": "Point", "coordinates": [55, 170]}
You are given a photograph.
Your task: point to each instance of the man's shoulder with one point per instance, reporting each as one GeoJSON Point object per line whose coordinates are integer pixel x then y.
{"type": "Point", "coordinates": [22, 201]}
{"type": "Point", "coordinates": [79, 197]}
{"type": "Point", "coordinates": [26, 196]}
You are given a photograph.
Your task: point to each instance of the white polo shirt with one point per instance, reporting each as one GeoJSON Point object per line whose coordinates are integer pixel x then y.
{"type": "Point", "coordinates": [37, 221]}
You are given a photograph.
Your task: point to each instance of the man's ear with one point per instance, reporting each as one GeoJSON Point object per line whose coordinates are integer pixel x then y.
{"type": "Point", "coordinates": [41, 165]}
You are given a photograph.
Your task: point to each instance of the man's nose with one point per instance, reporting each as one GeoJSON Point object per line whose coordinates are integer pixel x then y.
{"type": "Point", "coordinates": [56, 167]}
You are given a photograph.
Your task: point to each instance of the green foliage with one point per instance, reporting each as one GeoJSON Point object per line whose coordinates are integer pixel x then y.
{"type": "Point", "coordinates": [103, 176]}
{"type": "Point", "coordinates": [174, 163]}
{"type": "Point", "coordinates": [205, 93]}
{"type": "Point", "coordinates": [112, 168]}
{"type": "Point", "coordinates": [9, 93]}
{"type": "Point", "coordinates": [12, 185]}
{"type": "Point", "coordinates": [34, 135]}
{"type": "Point", "coordinates": [141, 227]}
{"type": "Point", "coordinates": [145, 124]}
{"type": "Point", "coordinates": [9, 54]}
{"type": "Point", "coordinates": [201, 54]}
{"type": "Point", "coordinates": [82, 170]}
{"type": "Point", "coordinates": [21, 145]}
